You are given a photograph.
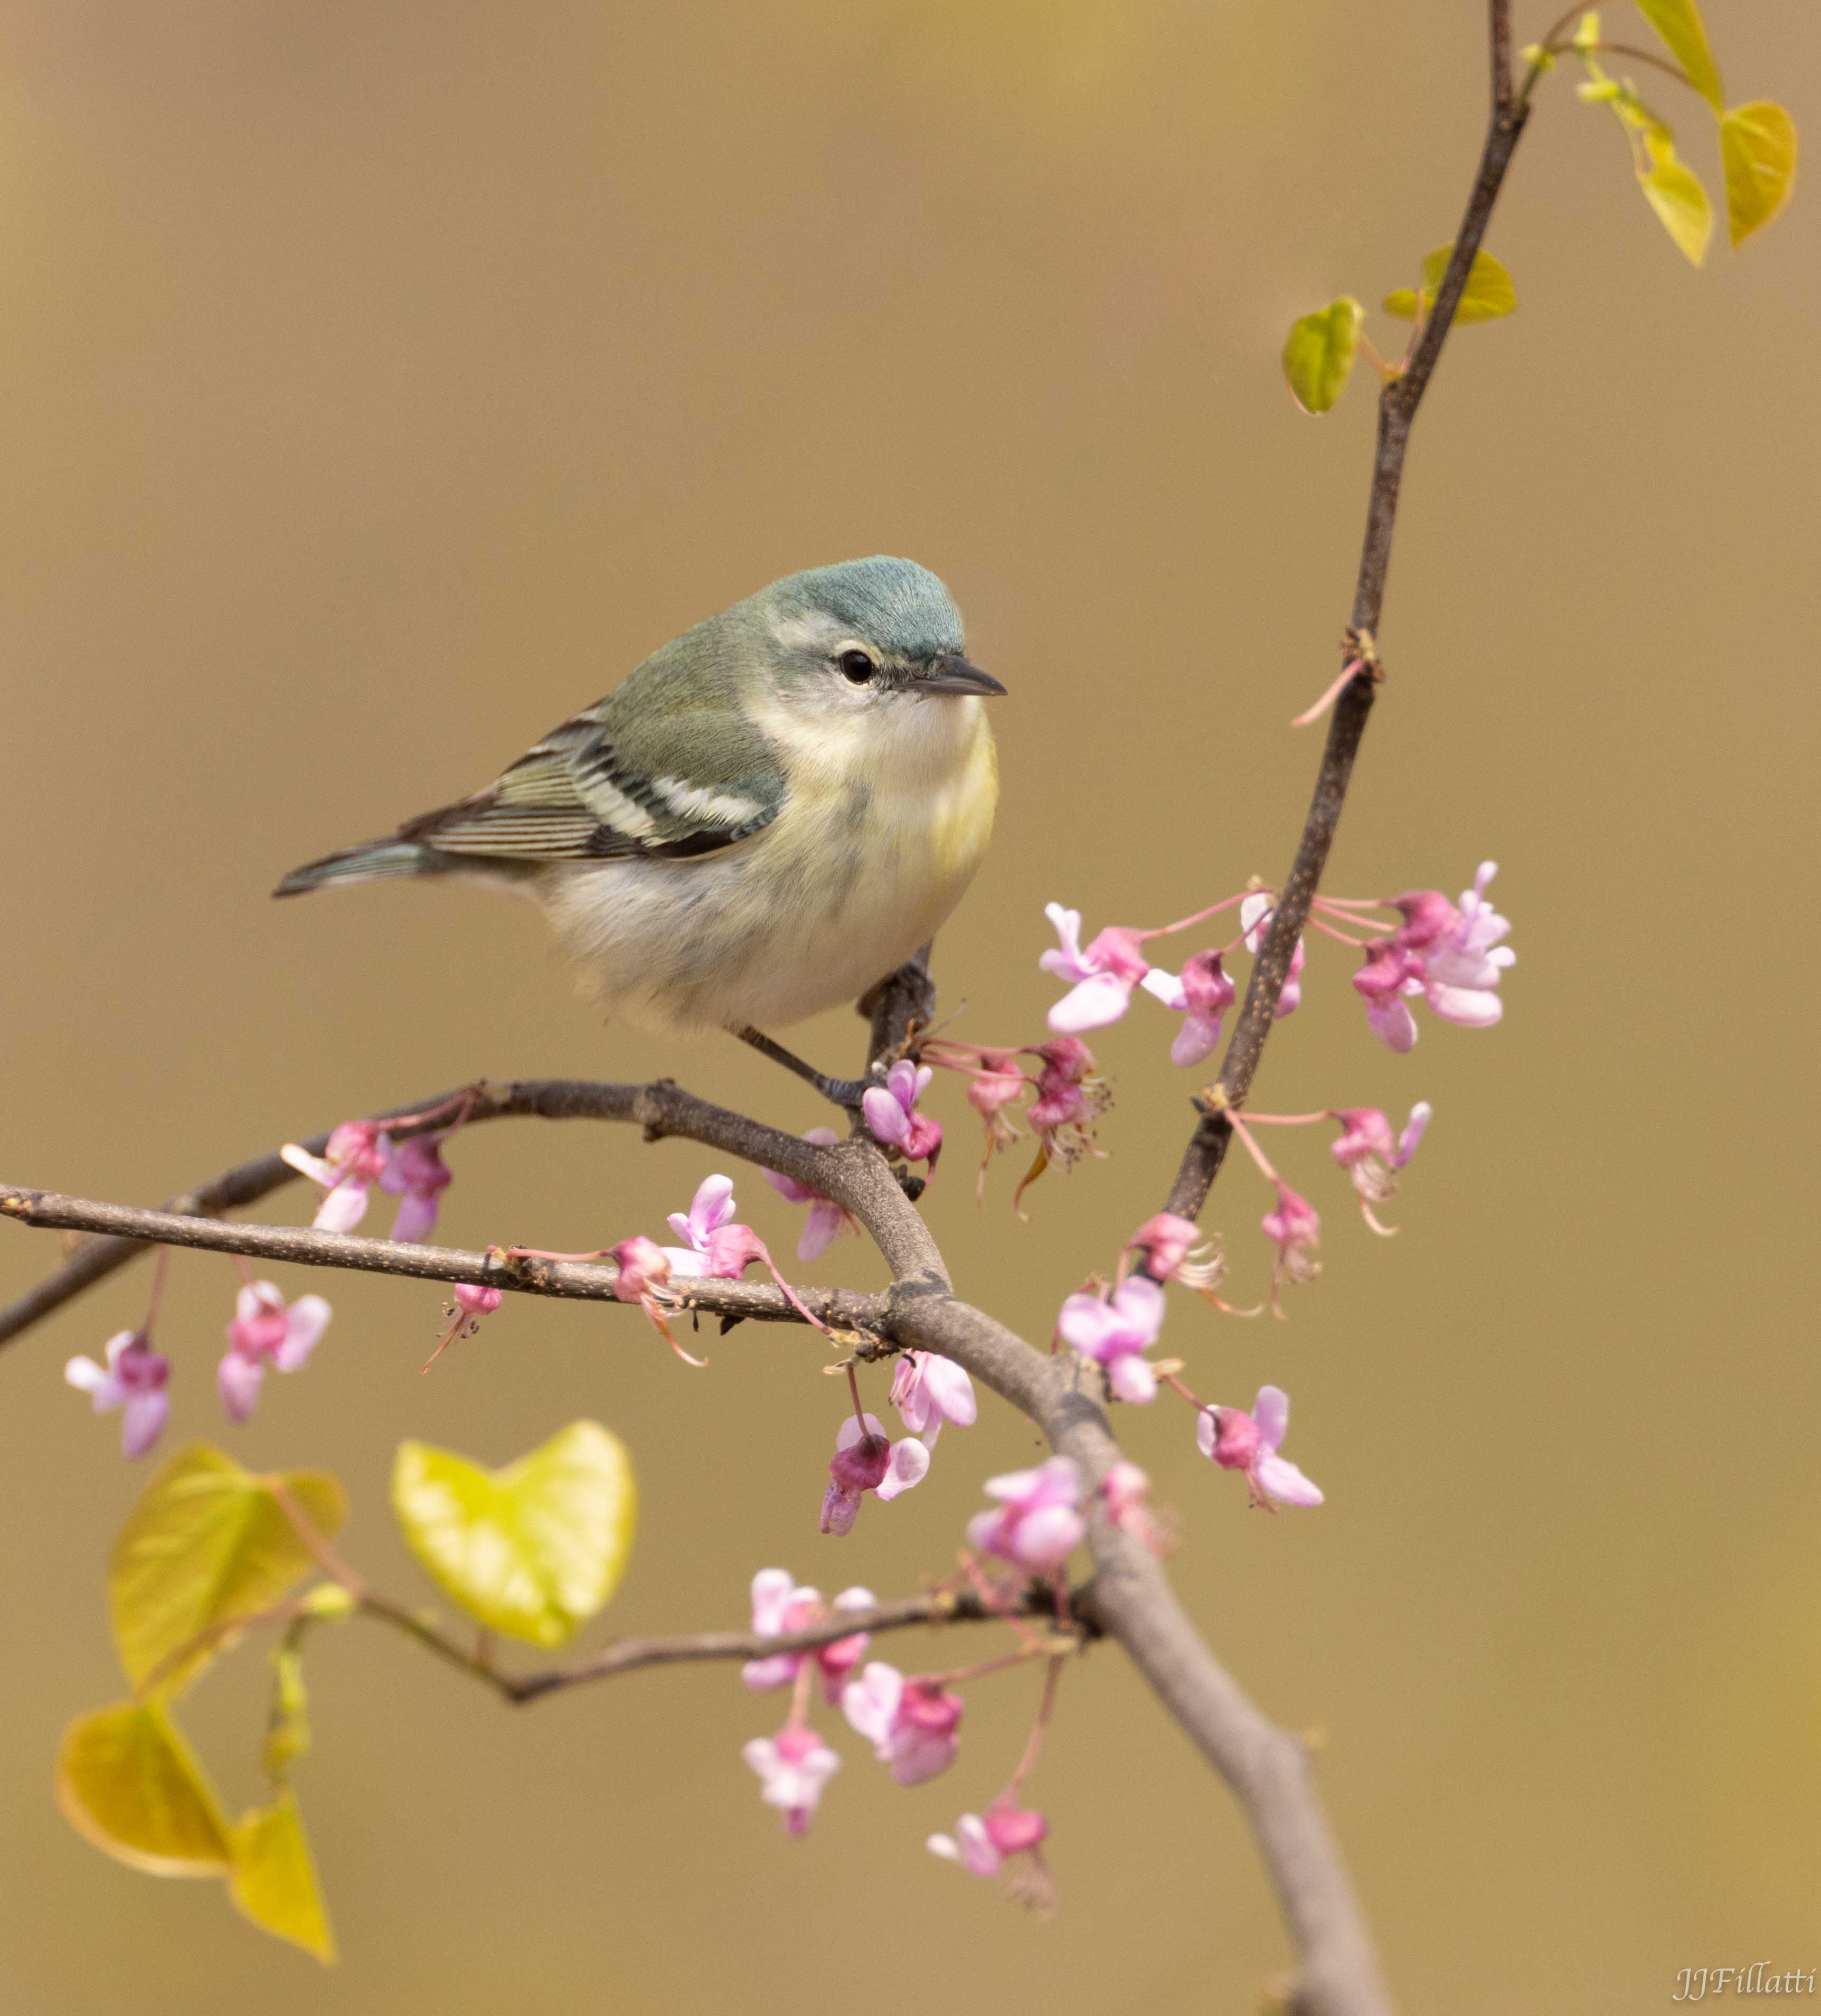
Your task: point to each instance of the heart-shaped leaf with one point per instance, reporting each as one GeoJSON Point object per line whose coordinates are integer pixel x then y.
{"type": "Point", "coordinates": [1679, 23]}
{"type": "Point", "coordinates": [128, 1782]}
{"type": "Point", "coordinates": [207, 1543]}
{"type": "Point", "coordinates": [1758, 144]}
{"type": "Point", "coordinates": [1490, 291]}
{"type": "Point", "coordinates": [532, 1549]}
{"type": "Point", "coordinates": [273, 1879]}
{"type": "Point", "coordinates": [1318, 356]}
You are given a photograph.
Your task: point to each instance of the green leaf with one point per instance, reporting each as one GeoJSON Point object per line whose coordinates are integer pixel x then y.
{"type": "Point", "coordinates": [128, 1781]}
{"type": "Point", "coordinates": [1490, 291]}
{"type": "Point", "coordinates": [1318, 356]}
{"type": "Point", "coordinates": [1758, 144]}
{"type": "Point", "coordinates": [207, 1543]}
{"type": "Point", "coordinates": [531, 1549]}
{"type": "Point", "coordinates": [1674, 191]}
{"type": "Point", "coordinates": [273, 1879]}
{"type": "Point", "coordinates": [1679, 23]}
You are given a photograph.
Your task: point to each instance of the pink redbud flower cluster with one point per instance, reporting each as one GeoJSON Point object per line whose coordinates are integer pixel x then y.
{"type": "Point", "coordinates": [1451, 958]}
{"type": "Point", "coordinates": [892, 1116]}
{"type": "Point", "coordinates": [780, 1606]}
{"type": "Point", "coordinates": [360, 1155]}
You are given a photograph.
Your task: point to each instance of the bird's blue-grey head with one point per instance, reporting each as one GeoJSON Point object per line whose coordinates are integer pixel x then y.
{"type": "Point", "coordinates": [882, 631]}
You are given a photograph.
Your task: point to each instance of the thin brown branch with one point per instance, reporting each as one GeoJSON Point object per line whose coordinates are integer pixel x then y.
{"type": "Point", "coordinates": [662, 1110]}
{"type": "Point", "coordinates": [574, 1280]}
{"type": "Point", "coordinates": [1397, 409]}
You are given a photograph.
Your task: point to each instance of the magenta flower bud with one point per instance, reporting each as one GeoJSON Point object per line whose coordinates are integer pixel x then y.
{"type": "Point", "coordinates": [477, 1301]}
{"type": "Point", "coordinates": [1013, 1830]}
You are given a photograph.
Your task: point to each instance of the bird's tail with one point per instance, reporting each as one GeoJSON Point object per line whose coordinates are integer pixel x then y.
{"type": "Point", "coordinates": [371, 861]}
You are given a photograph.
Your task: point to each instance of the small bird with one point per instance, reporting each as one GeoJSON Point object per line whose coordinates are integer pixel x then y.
{"type": "Point", "coordinates": [771, 813]}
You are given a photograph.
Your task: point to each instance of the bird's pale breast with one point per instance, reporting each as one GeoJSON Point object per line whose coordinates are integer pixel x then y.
{"type": "Point", "coordinates": [880, 834]}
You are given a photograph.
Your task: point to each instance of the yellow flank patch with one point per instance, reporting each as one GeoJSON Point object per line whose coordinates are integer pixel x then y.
{"type": "Point", "coordinates": [964, 823]}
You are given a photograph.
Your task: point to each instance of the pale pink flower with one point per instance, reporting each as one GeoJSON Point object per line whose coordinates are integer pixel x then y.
{"type": "Point", "coordinates": [1126, 1491]}
{"type": "Point", "coordinates": [985, 1843]}
{"type": "Point", "coordinates": [1239, 1441]}
{"type": "Point", "coordinates": [711, 1212]}
{"type": "Point", "coordinates": [1372, 1156]}
{"type": "Point", "coordinates": [1201, 994]}
{"type": "Point", "coordinates": [1115, 1331]}
{"type": "Point", "coordinates": [1255, 916]}
{"type": "Point", "coordinates": [827, 1220]}
{"type": "Point", "coordinates": [353, 1161]}
{"type": "Point", "coordinates": [911, 1724]}
{"type": "Point", "coordinates": [1104, 974]}
{"type": "Point", "coordinates": [417, 1176]}
{"type": "Point", "coordinates": [1070, 1096]}
{"type": "Point", "coordinates": [477, 1299]}
{"type": "Point", "coordinates": [891, 1115]}
{"type": "Point", "coordinates": [867, 1459]}
{"type": "Point", "coordinates": [1452, 956]}
{"type": "Point", "coordinates": [718, 1250]}
{"type": "Point", "coordinates": [266, 1333]}
{"type": "Point", "coordinates": [1036, 1526]}
{"type": "Point", "coordinates": [996, 1084]}
{"type": "Point", "coordinates": [134, 1381]}
{"type": "Point", "coordinates": [927, 1390]}
{"type": "Point", "coordinates": [1296, 1226]}
{"type": "Point", "coordinates": [780, 1607]}
{"type": "Point", "coordinates": [793, 1766]}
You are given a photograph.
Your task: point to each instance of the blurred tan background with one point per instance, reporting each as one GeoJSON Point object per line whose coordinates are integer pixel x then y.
{"type": "Point", "coordinates": [382, 383]}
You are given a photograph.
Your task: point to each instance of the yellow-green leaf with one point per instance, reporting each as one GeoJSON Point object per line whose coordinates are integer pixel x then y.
{"type": "Point", "coordinates": [1674, 191]}
{"type": "Point", "coordinates": [128, 1782]}
{"type": "Point", "coordinates": [206, 1544]}
{"type": "Point", "coordinates": [1679, 23]}
{"type": "Point", "coordinates": [1758, 144]}
{"type": "Point", "coordinates": [273, 1879]}
{"type": "Point", "coordinates": [1490, 291]}
{"type": "Point", "coordinates": [1587, 34]}
{"type": "Point", "coordinates": [531, 1549]}
{"type": "Point", "coordinates": [1318, 356]}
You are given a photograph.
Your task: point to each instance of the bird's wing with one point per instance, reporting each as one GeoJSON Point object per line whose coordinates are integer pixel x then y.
{"type": "Point", "coordinates": [624, 777]}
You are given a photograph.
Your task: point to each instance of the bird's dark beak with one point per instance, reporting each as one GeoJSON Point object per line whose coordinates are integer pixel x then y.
{"type": "Point", "coordinates": [950, 673]}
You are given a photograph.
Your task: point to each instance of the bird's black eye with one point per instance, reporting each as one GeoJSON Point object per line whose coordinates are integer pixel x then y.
{"type": "Point", "coordinates": [857, 665]}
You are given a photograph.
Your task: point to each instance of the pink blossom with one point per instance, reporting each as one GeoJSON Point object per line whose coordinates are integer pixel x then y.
{"type": "Point", "coordinates": [711, 1212]}
{"type": "Point", "coordinates": [1236, 1440]}
{"type": "Point", "coordinates": [985, 1843]}
{"type": "Point", "coordinates": [644, 1268]}
{"type": "Point", "coordinates": [478, 1300]}
{"type": "Point", "coordinates": [1069, 1098]}
{"type": "Point", "coordinates": [1104, 974]}
{"type": "Point", "coordinates": [780, 1607]}
{"type": "Point", "coordinates": [1170, 1251]}
{"type": "Point", "coordinates": [996, 1084]}
{"type": "Point", "coordinates": [793, 1766]}
{"type": "Point", "coordinates": [1037, 1527]}
{"type": "Point", "coordinates": [417, 1176]}
{"type": "Point", "coordinates": [266, 1332]}
{"type": "Point", "coordinates": [1202, 994]}
{"type": "Point", "coordinates": [1452, 956]}
{"type": "Point", "coordinates": [867, 1459]}
{"type": "Point", "coordinates": [353, 1161]}
{"type": "Point", "coordinates": [1296, 1225]}
{"type": "Point", "coordinates": [827, 1220]}
{"type": "Point", "coordinates": [1388, 974]}
{"type": "Point", "coordinates": [1126, 1491]}
{"type": "Point", "coordinates": [1368, 1151]}
{"type": "Point", "coordinates": [927, 1390]}
{"type": "Point", "coordinates": [1115, 1331]}
{"type": "Point", "coordinates": [911, 1724]}
{"type": "Point", "coordinates": [1255, 916]}
{"type": "Point", "coordinates": [134, 1381]}
{"type": "Point", "coordinates": [891, 1114]}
